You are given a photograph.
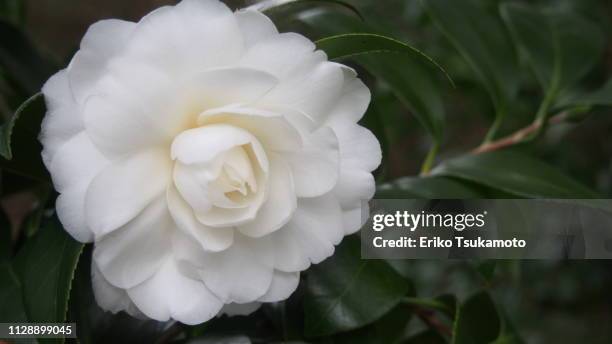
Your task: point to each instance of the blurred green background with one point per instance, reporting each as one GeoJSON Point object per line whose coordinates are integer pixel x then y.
{"type": "Point", "coordinates": [542, 301]}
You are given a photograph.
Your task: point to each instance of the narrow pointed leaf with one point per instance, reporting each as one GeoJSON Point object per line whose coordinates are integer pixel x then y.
{"type": "Point", "coordinates": [477, 321]}
{"type": "Point", "coordinates": [482, 40]}
{"type": "Point", "coordinates": [345, 292]}
{"type": "Point", "coordinates": [19, 145]}
{"type": "Point", "coordinates": [426, 187]}
{"type": "Point", "coordinates": [515, 173]}
{"type": "Point", "coordinates": [46, 266]}
{"type": "Point", "coordinates": [355, 44]}
{"type": "Point", "coordinates": [560, 47]}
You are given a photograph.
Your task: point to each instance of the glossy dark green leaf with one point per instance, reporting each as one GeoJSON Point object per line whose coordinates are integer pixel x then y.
{"type": "Point", "coordinates": [415, 86]}
{"type": "Point", "coordinates": [271, 5]}
{"type": "Point", "coordinates": [46, 266]}
{"type": "Point", "coordinates": [412, 78]}
{"type": "Point", "coordinates": [427, 188]}
{"type": "Point", "coordinates": [345, 292]}
{"type": "Point", "coordinates": [560, 47]}
{"type": "Point", "coordinates": [11, 298]}
{"type": "Point", "coordinates": [425, 337]}
{"type": "Point", "coordinates": [601, 97]}
{"type": "Point", "coordinates": [19, 145]}
{"type": "Point", "coordinates": [355, 44]}
{"type": "Point", "coordinates": [446, 304]}
{"type": "Point", "coordinates": [515, 173]}
{"type": "Point", "coordinates": [477, 321]}
{"type": "Point", "coordinates": [390, 328]}
{"type": "Point", "coordinates": [8, 127]}
{"type": "Point", "coordinates": [481, 38]}
{"type": "Point", "coordinates": [486, 269]}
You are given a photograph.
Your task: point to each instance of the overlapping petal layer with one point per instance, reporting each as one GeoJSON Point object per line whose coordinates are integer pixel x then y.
{"type": "Point", "coordinates": [210, 159]}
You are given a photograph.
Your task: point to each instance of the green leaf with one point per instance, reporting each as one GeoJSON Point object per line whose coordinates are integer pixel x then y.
{"type": "Point", "coordinates": [515, 173]}
{"type": "Point", "coordinates": [482, 40]}
{"type": "Point", "coordinates": [601, 97]}
{"type": "Point", "coordinates": [270, 5]}
{"type": "Point", "coordinates": [425, 337]}
{"type": "Point", "coordinates": [427, 188]}
{"type": "Point", "coordinates": [355, 44]}
{"type": "Point", "coordinates": [446, 304]}
{"type": "Point", "coordinates": [412, 78]}
{"type": "Point", "coordinates": [413, 84]}
{"type": "Point", "coordinates": [8, 127]}
{"type": "Point", "coordinates": [560, 47]}
{"type": "Point", "coordinates": [388, 329]}
{"type": "Point", "coordinates": [11, 298]}
{"type": "Point", "coordinates": [19, 145]}
{"type": "Point", "coordinates": [46, 266]}
{"type": "Point", "coordinates": [477, 321]}
{"type": "Point", "coordinates": [345, 292]}
{"type": "Point", "coordinates": [486, 269]}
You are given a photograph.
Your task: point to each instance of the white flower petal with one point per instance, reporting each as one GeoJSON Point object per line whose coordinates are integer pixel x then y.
{"type": "Point", "coordinates": [73, 169]}
{"type": "Point", "coordinates": [77, 162]}
{"type": "Point", "coordinates": [203, 144]}
{"type": "Point", "coordinates": [170, 294]}
{"type": "Point", "coordinates": [280, 54]}
{"type": "Point", "coordinates": [62, 120]}
{"type": "Point", "coordinates": [225, 86]}
{"type": "Point", "coordinates": [313, 91]}
{"type": "Point", "coordinates": [255, 27]}
{"type": "Point", "coordinates": [191, 190]}
{"type": "Point", "coordinates": [353, 101]}
{"type": "Point", "coordinates": [121, 190]}
{"type": "Point", "coordinates": [141, 99]}
{"type": "Point", "coordinates": [359, 148]}
{"type": "Point", "coordinates": [70, 207]}
{"type": "Point", "coordinates": [101, 42]}
{"type": "Point", "coordinates": [315, 228]}
{"type": "Point", "coordinates": [283, 285]}
{"type": "Point", "coordinates": [354, 219]}
{"type": "Point", "coordinates": [354, 187]}
{"type": "Point", "coordinates": [134, 252]}
{"type": "Point", "coordinates": [211, 239]}
{"type": "Point", "coordinates": [280, 204]}
{"type": "Point", "coordinates": [242, 273]}
{"type": "Point", "coordinates": [273, 130]}
{"type": "Point", "coordinates": [192, 36]}
{"type": "Point", "coordinates": [108, 296]}
{"type": "Point", "coordinates": [315, 168]}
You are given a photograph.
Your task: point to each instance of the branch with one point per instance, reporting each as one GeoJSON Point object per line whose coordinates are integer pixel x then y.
{"type": "Point", "coordinates": [432, 321]}
{"type": "Point", "coordinates": [520, 135]}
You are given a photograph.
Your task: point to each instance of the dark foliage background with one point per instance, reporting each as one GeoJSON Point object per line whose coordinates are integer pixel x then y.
{"type": "Point", "coordinates": [501, 56]}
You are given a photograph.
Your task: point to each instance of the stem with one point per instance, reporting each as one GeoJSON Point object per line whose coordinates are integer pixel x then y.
{"type": "Point", "coordinates": [428, 303]}
{"type": "Point", "coordinates": [429, 318]}
{"type": "Point", "coordinates": [541, 120]}
{"type": "Point", "coordinates": [521, 135]}
{"type": "Point", "coordinates": [499, 118]}
{"type": "Point", "coordinates": [429, 159]}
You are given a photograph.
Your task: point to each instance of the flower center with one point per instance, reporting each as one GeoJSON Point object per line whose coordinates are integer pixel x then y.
{"type": "Point", "coordinates": [220, 170]}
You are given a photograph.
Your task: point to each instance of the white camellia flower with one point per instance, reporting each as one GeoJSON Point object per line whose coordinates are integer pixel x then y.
{"type": "Point", "coordinates": [208, 157]}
